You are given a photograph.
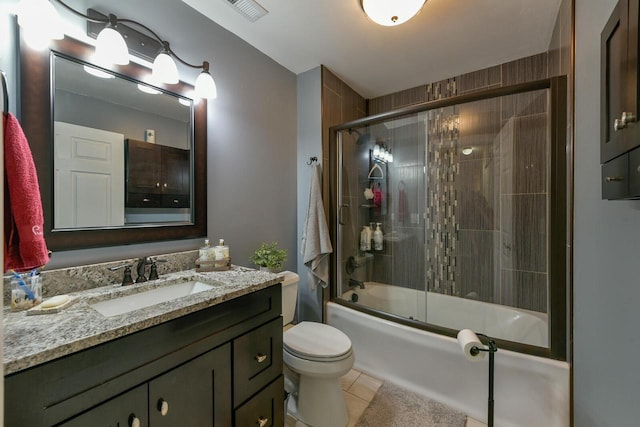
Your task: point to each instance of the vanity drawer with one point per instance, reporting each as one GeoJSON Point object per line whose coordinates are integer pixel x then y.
{"type": "Point", "coordinates": [265, 409]}
{"type": "Point", "coordinates": [257, 359]}
{"type": "Point", "coordinates": [175, 201]}
{"type": "Point", "coordinates": [143, 200]}
{"type": "Point", "coordinates": [615, 178]}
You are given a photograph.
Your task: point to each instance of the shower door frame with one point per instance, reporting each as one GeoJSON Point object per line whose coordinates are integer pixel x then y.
{"type": "Point", "coordinates": [558, 241]}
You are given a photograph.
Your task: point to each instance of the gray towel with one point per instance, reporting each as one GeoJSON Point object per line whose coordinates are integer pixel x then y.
{"type": "Point", "coordinates": [316, 244]}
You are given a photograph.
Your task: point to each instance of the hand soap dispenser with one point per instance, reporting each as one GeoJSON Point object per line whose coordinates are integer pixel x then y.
{"type": "Point", "coordinates": [204, 254]}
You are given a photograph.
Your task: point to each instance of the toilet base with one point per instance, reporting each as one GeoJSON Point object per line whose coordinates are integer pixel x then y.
{"type": "Point", "coordinates": [320, 403]}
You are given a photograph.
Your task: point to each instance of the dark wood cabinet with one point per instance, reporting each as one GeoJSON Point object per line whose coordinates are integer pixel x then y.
{"type": "Point", "coordinates": [620, 102]}
{"type": "Point", "coordinates": [156, 176]}
{"type": "Point", "coordinates": [185, 372]}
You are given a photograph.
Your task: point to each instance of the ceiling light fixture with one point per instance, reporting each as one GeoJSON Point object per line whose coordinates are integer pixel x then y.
{"type": "Point", "coordinates": [391, 12]}
{"type": "Point", "coordinates": [111, 47]}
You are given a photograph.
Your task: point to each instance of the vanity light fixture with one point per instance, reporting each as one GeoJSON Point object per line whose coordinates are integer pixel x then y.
{"type": "Point", "coordinates": [382, 154]}
{"type": "Point", "coordinates": [391, 12]}
{"type": "Point", "coordinates": [111, 47]}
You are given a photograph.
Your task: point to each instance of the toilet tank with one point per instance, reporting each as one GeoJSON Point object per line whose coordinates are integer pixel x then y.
{"type": "Point", "coordinates": [289, 296]}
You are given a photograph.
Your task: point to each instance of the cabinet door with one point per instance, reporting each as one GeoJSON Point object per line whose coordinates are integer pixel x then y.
{"type": "Point", "coordinates": [127, 410]}
{"type": "Point", "coordinates": [615, 82]}
{"type": "Point", "coordinates": [175, 171]}
{"type": "Point", "coordinates": [195, 394]}
{"type": "Point", "coordinates": [143, 167]}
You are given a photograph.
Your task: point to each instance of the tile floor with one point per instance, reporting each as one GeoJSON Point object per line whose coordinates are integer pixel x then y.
{"type": "Point", "coordinates": [359, 389]}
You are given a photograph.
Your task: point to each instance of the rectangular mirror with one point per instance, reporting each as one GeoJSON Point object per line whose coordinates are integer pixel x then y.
{"type": "Point", "coordinates": [119, 161]}
{"type": "Point", "coordinates": [121, 150]}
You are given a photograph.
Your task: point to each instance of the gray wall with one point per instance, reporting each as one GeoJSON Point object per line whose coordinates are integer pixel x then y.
{"type": "Point", "coordinates": [251, 133]}
{"type": "Point", "coordinates": [606, 269]}
{"type": "Point", "coordinates": [309, 145]}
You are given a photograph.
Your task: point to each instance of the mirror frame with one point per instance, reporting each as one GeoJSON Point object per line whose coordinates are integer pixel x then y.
{"type": "Point", "coordinates": [36, 115]}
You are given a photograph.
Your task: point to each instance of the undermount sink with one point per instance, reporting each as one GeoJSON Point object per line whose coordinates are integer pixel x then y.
{"type": "Point", "coordinates": [116, 306]}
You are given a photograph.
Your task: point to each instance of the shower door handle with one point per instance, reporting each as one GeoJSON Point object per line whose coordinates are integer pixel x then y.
{"type": "Point", "coordinates": [340, 212]}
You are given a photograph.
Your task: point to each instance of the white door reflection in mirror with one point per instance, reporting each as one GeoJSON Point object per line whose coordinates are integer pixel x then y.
{"type": "Point", "coordinates": [89, 177]}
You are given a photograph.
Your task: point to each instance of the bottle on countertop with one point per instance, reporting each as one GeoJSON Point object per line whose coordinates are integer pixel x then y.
{"type": "Point", "coordinates": [204, 254]}
{"type": "Point", "coordinates": [378, 238]}
{"type": "Point", "coordinates": [221, 251]}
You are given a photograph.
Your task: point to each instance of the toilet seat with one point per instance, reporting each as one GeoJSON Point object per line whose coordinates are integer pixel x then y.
{"type": "Point", "coordinates": [317, 342]}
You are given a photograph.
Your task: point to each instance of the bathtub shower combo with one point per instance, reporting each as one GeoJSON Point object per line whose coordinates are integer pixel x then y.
{"type": "Point", "coordinates": [450, 215]}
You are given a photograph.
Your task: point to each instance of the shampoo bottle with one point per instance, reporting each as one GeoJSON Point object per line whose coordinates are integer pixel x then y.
{"type": "Point", "coordinates": [378, 238]}
{"type": "Point", "coordinates": [365, 241]}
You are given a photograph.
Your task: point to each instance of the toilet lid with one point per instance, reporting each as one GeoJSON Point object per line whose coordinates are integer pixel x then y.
{"type": "Point", "coordinates": [316, 341]}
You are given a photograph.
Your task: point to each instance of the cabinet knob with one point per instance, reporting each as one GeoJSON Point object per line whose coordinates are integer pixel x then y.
{"type": "Point", "coordinates": [146, 200]}
{"type": "Point", "coordinates": [260, 357]}
{"type": "Point", "coordinates": [165, 185]}
{"type": "Point", "coordinates": [262, 421]}
{"type": "Point", "coordinates": [158, 184]}
{"type": "Point", "coordinates": [176, 201]}
{"type": "Point", "coordinates": [614, 178]}
{"type": "Point", "coordinates": [134, 421]}
{"type": "Point", "coordinates": [163, 407]}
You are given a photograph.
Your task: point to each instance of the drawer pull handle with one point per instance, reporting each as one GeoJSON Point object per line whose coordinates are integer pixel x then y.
{"type": "Point", "coordinates": [262, 421]}
{"type": "Point", "coordinates": [163, 407]}
{"type": "Point", "coordinates": [134, 421]}
{"type": "Point", "coordinates": [146, 200]}
{"type": "Point", "coordinates": [260, 358]}
{"type": "Point", "coordinates": [614, 178]}
{"type": "Point", "coordinates": [176, 201]}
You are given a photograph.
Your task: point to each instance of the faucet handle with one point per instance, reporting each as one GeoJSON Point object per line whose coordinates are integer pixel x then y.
{"type": "Point", "coordinates": [153, 274]}
{"type": "Point", "coordinates": [127, 279]}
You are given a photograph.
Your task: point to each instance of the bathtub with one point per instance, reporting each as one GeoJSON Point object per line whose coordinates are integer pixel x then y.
{"type": "Point", "coordinates": [497, 321]}
{"type": "Point", "coordinates": [529, 391]}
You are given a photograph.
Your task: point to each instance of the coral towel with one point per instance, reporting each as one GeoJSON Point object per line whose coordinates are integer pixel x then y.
{"type": "Point", "coordinates": [316, 245]}
{"type": "Point", "coordinates": [24, 245]}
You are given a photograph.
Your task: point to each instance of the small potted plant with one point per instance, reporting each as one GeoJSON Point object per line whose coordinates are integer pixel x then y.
{"type": "Point", "coordinates": [268, 257]}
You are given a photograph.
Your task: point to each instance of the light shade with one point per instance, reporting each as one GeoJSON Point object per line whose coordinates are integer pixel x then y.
{"type": "Point", "coordinates": [40, 22]}
{"type": "Point", "coordinates": [164, 69]}
{"type": "Point", "coordinates": [205, 86]}
{"type": "Point", "coordinates": [391, 12]}
{"type": "Point", "coordinates": [111, 47]}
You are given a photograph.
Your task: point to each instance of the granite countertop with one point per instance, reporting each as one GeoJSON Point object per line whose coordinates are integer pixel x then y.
{"type": "Point", "coordinates": [32, 340]}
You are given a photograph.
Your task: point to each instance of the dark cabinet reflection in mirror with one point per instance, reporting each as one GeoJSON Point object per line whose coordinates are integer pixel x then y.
{"type": "Point", "coordinates": [101, 183]}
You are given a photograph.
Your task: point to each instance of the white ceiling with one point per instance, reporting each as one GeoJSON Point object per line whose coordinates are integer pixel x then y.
{"type": "Point", "coordinates": [447, 38]}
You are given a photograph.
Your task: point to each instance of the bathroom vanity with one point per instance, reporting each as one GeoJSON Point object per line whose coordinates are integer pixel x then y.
{"type": "Point", "coordinates": [209, 359]}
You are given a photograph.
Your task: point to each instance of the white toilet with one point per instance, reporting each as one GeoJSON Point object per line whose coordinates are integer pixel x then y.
{"type": "Point", "coordinates": [315, 357]}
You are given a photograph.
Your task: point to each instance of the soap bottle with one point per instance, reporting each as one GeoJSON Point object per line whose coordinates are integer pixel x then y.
{"type": "Point", "coordinates": [204, 252]}
{"type": "Point", "coordinates": [365, 238]}
{"type": "Point", "coordinates": [221, 251]}
{"type": "Point", "coordinates": [377, 238]}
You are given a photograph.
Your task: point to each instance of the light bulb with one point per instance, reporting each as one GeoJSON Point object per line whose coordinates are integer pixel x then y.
{"type": "Point", "coordinates": [205, 86]}
{"type": "Point", "coordinates": [376, 151]}
{"type": "Point", "coordinates": [467, 150]}
{"type": "Point", "coordinates": [390, 158]}
{"type": "Point", "coordinates": [391, 12]}
{"type": "Point", "coordinates": [185, 102]}
{"type": "Point", "coordinates": [165, 69]}
{"type": "Point", "coordinates": [111, 47]}
{"type": "Point", "coordinates": [40, 22]}
{"type": "Point", "coordinates": [98, 73]}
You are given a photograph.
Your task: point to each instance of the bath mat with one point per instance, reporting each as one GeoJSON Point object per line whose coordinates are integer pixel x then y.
{"type": "Point", "coordinates": [393, 406]}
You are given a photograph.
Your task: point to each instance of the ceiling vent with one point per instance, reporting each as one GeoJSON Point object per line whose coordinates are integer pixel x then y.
{"type": "Point", "coordinates": [250, 9]}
